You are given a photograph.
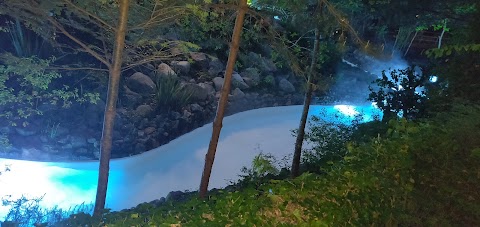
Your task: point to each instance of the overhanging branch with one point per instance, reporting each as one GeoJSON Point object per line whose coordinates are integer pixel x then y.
{"type": "Point", "coordinates": [83, 45]}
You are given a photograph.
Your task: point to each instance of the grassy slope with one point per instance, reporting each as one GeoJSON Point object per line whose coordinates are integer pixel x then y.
{"type": "Point", "coordinates": [416, 174]}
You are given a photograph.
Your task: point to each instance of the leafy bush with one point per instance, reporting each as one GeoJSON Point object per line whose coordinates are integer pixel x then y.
{"type": "Point", "coordinates": [368, 130]}
{"type": "Point", "coordinates": [51, 129]}
{"type": "Point", "coordinates": [29, 212]}
{"type": "Point", "coordinates": [25, 83]}
{"type": "Point", "coordinates": [264, 167]}
{"type": "Point", "coordinates": [268, 82]}
{"type": "Point", "coordinates": [411, 174]}
{"type": "Point", "coordinates": [399, 95]}
{"type": "Point", "coordinates": [212, 27]}
{"type": "Point", "coordinates": [170, 94]}
{"type": "Point", "coordinates": [24, 41]}
{"type": "Point", "coordinates": [370, 186]}
{"type": "Point", "coordinates": [330, 143]}
{"type": "Point", "coordinates": [4, 142]}
{"type": "Point", "coordinates": [458, 78]}
{"type": "Point", "coordinates": [447, 168]}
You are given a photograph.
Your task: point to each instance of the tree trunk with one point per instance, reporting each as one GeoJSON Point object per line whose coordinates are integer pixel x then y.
{"type": "Point", "coordinates": [411, 41]}
{"type": "Point", "coordinates": [395, 44]}
{"type": "Point", "coordinates": [440, 38]}
{"type": "Point", "coordinates": [110, 109]}
{"type": "Point", "coordinates": [306, 106]}
{"type": "Point", "coordinates": [222, 103]}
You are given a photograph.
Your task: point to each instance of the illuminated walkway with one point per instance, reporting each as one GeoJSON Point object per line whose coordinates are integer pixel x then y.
{"type": "Point", "coordinates": [174, 166]}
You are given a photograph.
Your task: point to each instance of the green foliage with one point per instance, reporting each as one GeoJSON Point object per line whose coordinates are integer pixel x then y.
{"type": "Point", "coordinates": [25, 212]}
{"type": "Point", "coordinates": [330, 140]}
{"type": "Point", "coordinates": [277, 59]}
{"type": "Point", "coordinates": [412, 174]}
{"type": "Point", "coordinates": [366, 131]}
{"type": "Point", "coordinates": [211, 26]}
{"type": "Point", "coordinates": [268, 81]}
{"type": "Point", "coordinates": [25, 83]}
{"type": "Point", "coordinates": [457, 78]}
{"type": "Point", "coordinates": [370, 186]}
{"type": "Point", "coordinates": [448, 50]}
{"type": "Point", "coordinates": [263, 165]}
{"type": "Point", "coordinates": [447, 167]}
{"type": "Point", "coordinates": [51, 130]}
{"type": "Point", "coordinates": [397, 94]}
{"type": "Point", "coordinates": [4, 143]}
{"type": "Point", "coordinates": [25, 42]}
{"type": "Point", "coordinates": [170, 95]}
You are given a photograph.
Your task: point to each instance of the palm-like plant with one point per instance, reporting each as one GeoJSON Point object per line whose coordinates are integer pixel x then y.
{"type": "Point", "coordinates": [25, 42]}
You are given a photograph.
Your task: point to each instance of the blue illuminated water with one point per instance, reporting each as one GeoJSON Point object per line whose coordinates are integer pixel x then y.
{"type": "Point", "coordinates": [174, 166]}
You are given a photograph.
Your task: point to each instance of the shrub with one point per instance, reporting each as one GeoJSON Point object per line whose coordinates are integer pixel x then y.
{"type": "Point", "coordinates": [330, 143]}
{"type": "Point", "coordinates": [212, 27]}
{"type": "Point", "coordinates": [268, 82]}
{"type": "Point", "coordinates": [25, 42]}
{"type": "Point", "coordinates": [170, 95]}
{"type": "Point", "coordinates": [29, 212]}
{"type": "Point", "coordinates": [25, 83]}
{"type": "Point", "coordinates": [398, 94]}
{"type": "Point", "coordinates": [368, 130]}
{"type": "Point", "coordinates": [447, 169]}
{"type": "Point", "coordinates": [411, 174]}
{"type": "Point", "coordinates": [4, 142]}
{"type": "Point", "coordinates": [263, 168]}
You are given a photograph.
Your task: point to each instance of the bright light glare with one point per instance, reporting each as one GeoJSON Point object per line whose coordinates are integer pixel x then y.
{"type": "Point", "coordinates": [347, 110]}
{"type": "Point", "coordinates": [36, 179]}
{"type": "Point", "coordinates": [433, 79]}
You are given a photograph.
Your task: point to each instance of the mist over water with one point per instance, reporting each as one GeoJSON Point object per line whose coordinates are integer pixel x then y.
{"type": "Point", "coordinates": [356, 73]}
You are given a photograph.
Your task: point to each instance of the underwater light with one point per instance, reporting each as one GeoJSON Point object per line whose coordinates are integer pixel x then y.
{"type": "Point", "coordinates": [433, 79]}
{"type": "Point", "coordinates": [59, 187]}
{"type": "Point", "coordinates": [347, 110]}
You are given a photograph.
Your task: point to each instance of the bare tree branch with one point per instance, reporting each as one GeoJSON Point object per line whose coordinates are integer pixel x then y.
{"type": "Point", "coordinates": [76, 40]}
{"type": "Point", "coordinates": [86, 13]}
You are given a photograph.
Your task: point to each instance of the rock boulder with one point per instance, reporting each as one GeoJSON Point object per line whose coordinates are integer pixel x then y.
{"type": "Point", "coordinates": [141, 84]}
{"type": "Point", "coordinates": [286, 86]}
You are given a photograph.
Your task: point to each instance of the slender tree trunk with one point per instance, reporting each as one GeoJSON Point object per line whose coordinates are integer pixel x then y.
{"type": "Point", "coordinates": [110, 109]}
{"type": "Point", "coordinates": [222, 103]}
{"type": "Point", "coordinates": [411, 41]}
{"type": "Point", "coordinates": [395, 44]}
{"type": "Point", "coordinates": [306, 106]}
{"type": "Point", "coordinates": [440, 38]}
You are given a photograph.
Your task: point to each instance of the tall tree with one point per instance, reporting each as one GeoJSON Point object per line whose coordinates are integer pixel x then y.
{"type": "Point", "coordinates": [323, 18]}
{"type": "Point", "coordinates": [222, 103]}
{"type": "Point", "coordinates": [104, 41]}
{"type": "Point", "coordinates": [306, 106]}
{"type": "Point", "coordinates": [110, 108]}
